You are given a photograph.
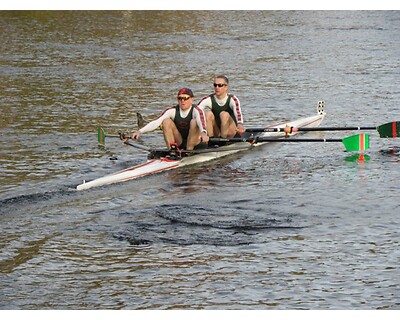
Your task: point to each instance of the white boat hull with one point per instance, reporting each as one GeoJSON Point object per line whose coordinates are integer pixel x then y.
{"type": "Point", "coordinates": [163, 164]}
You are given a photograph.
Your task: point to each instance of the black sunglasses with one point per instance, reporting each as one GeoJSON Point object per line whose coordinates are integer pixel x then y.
{"type": "Point", "coordinates": [183, 98]}
{"type": "Point", "coordinates": [220, 85]}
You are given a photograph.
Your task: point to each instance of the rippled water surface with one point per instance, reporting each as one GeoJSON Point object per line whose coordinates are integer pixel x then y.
{"type": "Point", "coordinates": [288, 226]}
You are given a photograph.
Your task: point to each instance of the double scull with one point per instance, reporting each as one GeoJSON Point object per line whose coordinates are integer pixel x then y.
{"type": "Point", "coordinates": [162, 161]}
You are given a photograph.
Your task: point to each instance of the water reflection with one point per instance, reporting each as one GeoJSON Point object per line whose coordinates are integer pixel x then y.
{"type": "Point", "coordinates": [357, 158]}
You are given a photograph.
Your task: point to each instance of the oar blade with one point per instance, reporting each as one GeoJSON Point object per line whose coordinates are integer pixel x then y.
{"type": "Point", "coordinates": [358, 142]}
{"type": "Point", "coordinates": [101, 136]}
{"type": "Point", "coordinates": [389, 130]}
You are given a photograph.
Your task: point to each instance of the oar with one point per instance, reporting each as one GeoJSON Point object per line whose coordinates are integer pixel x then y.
{"type": "Point", "coordinates": [101, 136]}
{"type": "Point", "coordinates": [137, 146]}
{"type": "Point", "coordinates": [387, 130]}
{"type": "Point", "coordinates": [358, 142]}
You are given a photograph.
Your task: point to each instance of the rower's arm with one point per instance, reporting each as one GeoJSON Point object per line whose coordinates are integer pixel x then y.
{"type": "Point", "coordinates": [205, 104]}
{"type": "Point", "coordinates": [200, 118]}
{"type": "Point", "coordinates": [237, 110]}
{"type": "Point", "coordinates": [153, 125]}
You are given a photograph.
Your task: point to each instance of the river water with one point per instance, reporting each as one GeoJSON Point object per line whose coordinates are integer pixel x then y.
{"type": "Point", "coordinates": [288, 226]}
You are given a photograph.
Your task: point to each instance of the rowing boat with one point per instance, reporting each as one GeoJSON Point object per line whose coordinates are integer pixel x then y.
{"type": "Point", "coordinates": [163, 161]}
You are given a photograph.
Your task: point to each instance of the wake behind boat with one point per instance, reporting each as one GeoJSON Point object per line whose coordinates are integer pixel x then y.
{"type": "Point", "coordinates": [163, 160]}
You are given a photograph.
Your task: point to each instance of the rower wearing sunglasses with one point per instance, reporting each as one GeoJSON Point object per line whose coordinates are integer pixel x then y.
{"type": "Point", "coordinates": [183, 125]}
{"type": "Point", "coordinates": [223, 112]}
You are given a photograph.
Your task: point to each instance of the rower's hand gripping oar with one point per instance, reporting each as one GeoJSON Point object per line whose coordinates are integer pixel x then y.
{"type": "Point", "coordinates": [358, 142]}
{"type": "Point", "coordinates": [387, 130]}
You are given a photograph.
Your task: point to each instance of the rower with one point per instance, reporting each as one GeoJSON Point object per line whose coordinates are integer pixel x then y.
{"type": "Point", "coordinates": [183, 125]}
{"type": "Point", "coordinates": [222, 109]}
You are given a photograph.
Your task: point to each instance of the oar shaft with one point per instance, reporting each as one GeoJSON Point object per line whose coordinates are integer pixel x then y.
{"type": "Point", "coordinates": [137, 146]}
{"type": "Point", "coordinates": [113, 135]}
{"type": "Point", "coordinates": [297, 140]}
{"type": "Point", "coordinates": [294, 129]}
{"type": "Point", "coordinates": [336, 128]}
{"type": "Point", "coordinates": [358, 142]}
{"type": "Point", "coordinates": [255, 140]}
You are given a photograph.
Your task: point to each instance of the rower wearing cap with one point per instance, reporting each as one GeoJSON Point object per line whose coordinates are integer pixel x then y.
{"type": "Point", "coordinates": [223, 111]}
{"type": "Point", "coordinates": [183, 125]}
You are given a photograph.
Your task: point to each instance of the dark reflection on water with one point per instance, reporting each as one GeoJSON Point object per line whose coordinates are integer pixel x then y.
{"type": "Point", "coordinates": [193, 225]}
{"type": "Point", "coordinates": [288, 226]}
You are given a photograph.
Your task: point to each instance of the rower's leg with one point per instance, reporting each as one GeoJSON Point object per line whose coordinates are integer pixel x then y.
{"type": "Point", "coordinates": [228, 126]}
{"type": "Point", "coordinates": [194, 135]}
{"type": "Point", "coordinates": [171, 133]}
{"type": "Point", "coordinates": [212, 128]}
